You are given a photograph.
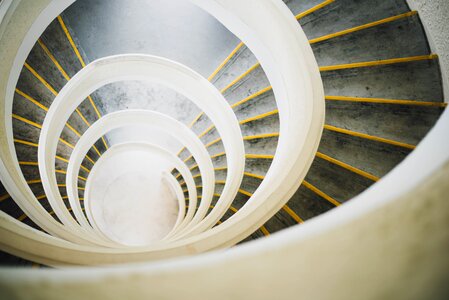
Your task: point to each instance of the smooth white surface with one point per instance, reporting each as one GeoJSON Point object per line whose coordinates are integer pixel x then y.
{"type": "Point", "coordinates": [285, 54]}
{"type": "Point", "coordinates": [138, 133]}
{"type": "Point", "coordinates": [154, 69]}
{"type": "Point", "coordinates": [28, 20]}
{"type": "Point", "coordinates": [129, 200]}
{"type": "Point", "coordinates": [242, 264]}
{"type": "Point", "coordinates": [144, 118]}
{"type": "Point", "coordinates": [177, 190]}
{"type": "Point", "coordinates": [173, 162]}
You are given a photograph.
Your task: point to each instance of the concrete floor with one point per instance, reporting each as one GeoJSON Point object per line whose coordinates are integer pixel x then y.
{"type": "Point", "coordinates": [130, 202]}
{"type": "Point", "coordinates": [174, 29]}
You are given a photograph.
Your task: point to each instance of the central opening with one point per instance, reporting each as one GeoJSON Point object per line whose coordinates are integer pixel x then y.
{"type": "Point", "coordinates": [128, 198]}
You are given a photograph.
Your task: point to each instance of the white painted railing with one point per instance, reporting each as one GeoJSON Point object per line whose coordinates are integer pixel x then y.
{"type": "Point", "coordinates": [295, 257]}
{"type": "Point", "coordinates": [295, 80]}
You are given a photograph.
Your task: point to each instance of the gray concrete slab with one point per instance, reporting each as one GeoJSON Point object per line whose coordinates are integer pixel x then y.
{"type": "Point", "coordinates": [401, 38]}
{"type": "Point", "coordinates": [175, 29]}
{"type": "Point", "coordinates": [345, 14]}
{"type": "Point", "coordinates": [420, 80]}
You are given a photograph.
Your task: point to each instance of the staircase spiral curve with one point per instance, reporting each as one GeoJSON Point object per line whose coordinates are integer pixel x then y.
{"type": "Point", "coordinates": [323, 114]}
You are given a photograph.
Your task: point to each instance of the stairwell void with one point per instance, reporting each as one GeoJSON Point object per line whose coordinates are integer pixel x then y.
{"type": "Point", "coordinates": [140, 132]}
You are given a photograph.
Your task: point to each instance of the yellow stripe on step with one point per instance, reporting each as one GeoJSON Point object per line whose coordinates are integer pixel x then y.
{"type": "Point", "coordinates": [385, 101]}
{"type": "Point", "coordinates": [261, 116]}
{"type": "Point", "coordinates": [313, 9]}
{"type": "Point", "coordinates": [240, 77]}
{"type": "Point", "coordinates": [347, 167]}
{"type": "Point", "coordinates": [378, 63]}
{"type": "Point", "coordinates": [4, 197]}
{"type": "Point", "coordinates": [41, 79]}
{"type": "Point", "coordinates": [365, 26]}
{"type": "Point", "coordinates": [369, 137]}
{"type": "Point", "coordinates": [240, 45]}
{"type": "Point", "coordinates": [292, 214]}
{"type": "Point", "coordinates": [320, 193]}
{"type": "Point", "coordinates": [259, 156]}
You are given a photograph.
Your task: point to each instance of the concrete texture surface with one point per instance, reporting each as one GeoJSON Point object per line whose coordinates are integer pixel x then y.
{"type": "Point", "coordinates": [180, 31]}
{"type": "Point", "coordinates": [175, 29]}
{"type": "Point", "coordinates": [297, 7]}
{"type": "Point", "coordinates": [434, 17]}
{"type": "Point", "coordinates": [401, 38]}
{"type": "Point", "coordinates": [419, 80]}
{"type": "Point", "coordinates": [348, 14]}
{"type": "Point", "coordinates": [241, 61]}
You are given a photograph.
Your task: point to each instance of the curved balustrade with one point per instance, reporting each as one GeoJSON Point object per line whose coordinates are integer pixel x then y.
{"type": "Point", "coordinates": [132, 146]}
{"type": "Point", "coordinates": [143, 118]}
{"type": "Point", "coordinates": [140, 67]}
{"type": "Point", "coordinates": [176, 188]}
{"type": "Point", "coordinates": [272, 194]}
{"type": "Point", "coordinates": [285, 55]}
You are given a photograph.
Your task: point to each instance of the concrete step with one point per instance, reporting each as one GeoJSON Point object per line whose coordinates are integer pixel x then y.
{"type": "Point", "coordinates": [237, 64]}
{"type": "Point", "coordinates": [344, 14]}
{"type": "Point", "coordinates": [397, 39]}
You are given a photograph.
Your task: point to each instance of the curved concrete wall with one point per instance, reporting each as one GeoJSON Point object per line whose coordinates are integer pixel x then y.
{"type": "Point", "coordinates": [390, 243]}
{"type": "Point", "coordinates": [434, 16]}
{"type": "Point", "coordinates": [397, 252]}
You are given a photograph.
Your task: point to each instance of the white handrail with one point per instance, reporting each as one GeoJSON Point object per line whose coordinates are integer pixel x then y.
{"type": "Point", "coordinates": [177, 189]}
{"type": "Point", "coordinates": [284, 53]}
{"type": "Point", "coordinates": [143, 118]}
{"type": "Point", "coordinates": [176, 162]}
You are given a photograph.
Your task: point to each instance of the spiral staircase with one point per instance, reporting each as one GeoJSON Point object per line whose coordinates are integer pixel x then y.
{"type": "Point", "coordinates": [293, 122]}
